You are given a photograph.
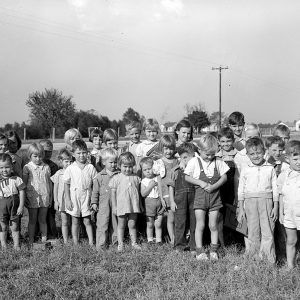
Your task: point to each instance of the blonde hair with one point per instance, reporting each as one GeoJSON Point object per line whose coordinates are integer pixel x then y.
{"type": "Point", "coordinates": [133, 125]}
{"type": "Point", "coordinates": [126, 158]}
{"type": "Point", "coordinates": [252, 127]}
{"type": "Point", "coordinates": [208, 142]}
{"type": "Point", "coordinates": [35, 148]}
{"type": "Point", "coordinates": [109, 135]}
{"type": "Point", "coordinates": [109, 153]}
{"type": "Point", "coordinates": [70, 134]}
{"type": "Point", "coordinates": [151, 124]}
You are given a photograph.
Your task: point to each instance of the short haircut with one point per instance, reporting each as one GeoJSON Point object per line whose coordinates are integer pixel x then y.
{"type": "Point", "coordinates": [64, 153]}
{"type": "Point", "coordinates": [292, 148]}
{"type": "Point", "coordinates": [109, 153]}
{"type": "Point", "coordinates": [186, 148]}
{"type": "Point", "coordinates": [183, 123]}
{"type": "Point", "coordinates": [252, 126]}
{"type": "Point", "coordinates": [71, 133]}
{"type": "Point", "coordinates": [270, 140]}
{"type": "Point", "coordinates": [282, 128]}
{"type": "Point", "coordinates": [35, 148]}
{"type": "Point", "coordinates": [3, 137]}
{"type": "Point", "coordinates": [167, 141]}
{"type": "Point", "coordinates": [147, 161]}
{"type": "Point", "coordinates": [79, 144]}
{"type": "Point", "coordinates": [254, 142]}
{"type": "Point", "coordinates": [208, 142]}
{"type": "Point", "coordinates": [5, 157]}
{"type": "Point", "coordinates": [151, 124]}
{"type": "Point", "coordinates": [226, 132]}
{"type": "Point", "coordinates": [12, 134]}
{"type": "Point", "coordinates": [109, 135]}
{"type": "Point", "coordinates": [132, 125]}
{"type": "Point", "coordinates": [236, 118]}
{"type": "Point", "coordinates": [126, 158]}
{"type": "Point", "coordinates": [97, 132]}
{"type": "Point", "coordinates": [47, 144]}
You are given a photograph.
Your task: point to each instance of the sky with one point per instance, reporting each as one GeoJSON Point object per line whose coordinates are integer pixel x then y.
{"type": "Point", "coordinates": [152, 55]}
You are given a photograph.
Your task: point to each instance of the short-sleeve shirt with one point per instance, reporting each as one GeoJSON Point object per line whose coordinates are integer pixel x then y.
{"type": "Point", "coordinates": [193, 168]}
{"type": "Point", "coordinates": [58, 178]}
{"type": "Point", "coordinates": [143, 148]}
{"type": "Point", "coordinates": [11, 186]}
{"type": "Point", "coordinates": [154, 192]}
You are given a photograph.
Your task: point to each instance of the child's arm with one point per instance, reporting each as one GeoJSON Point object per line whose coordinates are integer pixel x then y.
{"type": "Point", "coordinates": [281, 213]}
{"type": "Point", "coordinates": [194, 181]}
{"type": "Point", "coordinates": [159, 185]}
{"type": "Point", "coordinates": [69, 205]}
{"type": "Point", "coordinates": [212, 187]}
{"type": "Point", "coordinates": [274, 212]}
{"type": "Point", "coordinates": [55, 195]}
{"type": "Point", "coordinates": [22, 202]}
{"type": "Point", "coordinates": [172, 201]}
{"type": "Point", "coordinates": [145, 190]}
{"type": "Point", "coordinates": [241, 198]}
{"type": "Point", "coordinates": [114, 201]}
{"type": "Point", "coordinates": [95, 195]}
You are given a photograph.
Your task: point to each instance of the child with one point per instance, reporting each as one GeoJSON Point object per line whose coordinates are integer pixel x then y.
{"type": "Point", "coordinates": [183, 132]}
{"type": "Point", "coordinates": [96, 137]}
{"type": "Point", "coordinates": [283, 132]}
{"type": "Point", "coordinates": [154, 203]}
{"type": "Point", "coordinates": [134, 132]}
{"type": "Point", "coordinates": [78, 178]}
{"type": "Point", "coordinates": [236, 122]}
{"type": "Point", "coordinates": [70, 136]}
{"type": "Point", "coordinates": [258, 201]}
{"type": "Point", "coordinates": [65, 159]}
{"type": "Point", "coordinates": [36, 176]}
{"type": "Point", "coordinates": [12, 197]}
{"type": "Point", "coordinates": [182, 196]}
{"type": "Point", "coordinates": [14, 144]}
{"type": "Point", "coordinates": [151, 128]}
{"type": "Point", "coordinates": [163, 167]}
{"type": "Point", "coordinates": [3, 143]}
{"type": "Point", "coordinates": [208, 174]}
{"type": "Point", "coordinates": [289, 197]}
{"type": "Point", "coordinates": [227, 154]}
{"type": "Point", "coordinates": [125, 198]}
{"type": "Point", "coordinates": [101, 200]}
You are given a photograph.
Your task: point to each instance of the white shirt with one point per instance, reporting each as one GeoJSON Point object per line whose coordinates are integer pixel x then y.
{"type": "Point", "coordinates": [154, 192]}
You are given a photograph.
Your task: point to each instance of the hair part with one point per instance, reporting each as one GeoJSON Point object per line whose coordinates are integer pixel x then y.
{"type": "Point", "coordinates": [110, 135]}
{"type": "Point", "coordinates": [5, 157]}
{"type": "Point", "coordinates": [270, 140]}
{"type": "Point", "coordinates": [208, 142]}
{"type": "Point", "coordinates": [109, 153]}
{"type": "Point", "coordinates": [97, 132]}
{"type": "Point", "coordinates": [183, 123]}
{"type": "Point", "coordinates": [35, 148]}
{"type": "Point", "coordinates": [292, 148]}
{"type": "Point", "coordinates": [186, 147]}
{"type": "Point", "coordinates": [167, 141]}
{"type": "Point", "coordinates": [79, 144]}
{"type": "Point", "coordinates": [236, 118]}
{"type": "Point", "coordinates": [126, 158]}
{"type": "Point", "coordinates": [226, 132]}
{"type": "Point", "coordinates": [254, 142]}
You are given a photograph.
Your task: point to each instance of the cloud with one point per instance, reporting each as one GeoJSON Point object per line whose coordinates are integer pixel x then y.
{"type": "Point", "coordinates": [173, 6]}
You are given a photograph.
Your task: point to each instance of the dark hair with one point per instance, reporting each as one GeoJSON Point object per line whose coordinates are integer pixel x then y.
{"type": "Point", "coordinates": [79, 144]}
{"type": "Point", "coordinates": [94, 133]}
{"type": "Point", "coordinates": [282, 128]}
{"type": "Point", "coordinates": [270, 140]}
{"type": "Point", "coordinates": [186, 148]}
{"type": "Point", "coordinates": [236, 118]}
{"type": "Point", "coordinates": [4, 157]}
{"type": "Point", "coordinates": [147, 160]}
{"type": "Point", "coordinates": [46, 143]}
{"type": "Point", "coordinates": [3, 137]}
{"type": "Point", "coordinates": [64, 152]}
{"type": "Point", "coordinates": [126, 157]}
{"type": "Point", "coordinates": [292, 148]}
{"type": "Point", "coordinates": [226, 132]}
{"type": "Point", "coordinates": [168, 141]}
{"type": "Point", "coordinates": [13, 134]}
{"type": "Point", "coordinates": [183, 123]}
{"type": "Point", "coordinates": [109, 135]}
{"type": "Point", "coordinates": [254, 142]}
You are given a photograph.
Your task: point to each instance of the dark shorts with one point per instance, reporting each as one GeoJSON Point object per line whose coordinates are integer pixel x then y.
{"type": "Point", "coordinates": [153, 207]}
{"type": "Point", "coordinates": [206, 201]}
{"type": "Point", "coordinates": [8, 209]}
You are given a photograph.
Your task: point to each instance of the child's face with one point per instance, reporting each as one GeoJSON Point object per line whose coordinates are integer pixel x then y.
{"type": "Point", "coordinates": [5, 169]}
{"type": "Point", "coordinates": [184, 134]}
{"type": "Point", "coordinates": [36, 158]}
{"type": "Point", "coordinates": [135, 135]}
{"type": "Point", "coordinates": [111, 164]}
{"type": "Point", "coordinates": [294, 161]}
{"type": "Point", "coordinates": [80, 155]}
{"type": "Point", "coordinates": [256, 155]}
{"type": "Point", "coordinates": [112, 144]}
{"type": "Point", "coordinates": [126, 169]}
{"type": "Point", "coordinates": [226, 143]}
{"type": "Point", "coordinates": [147, 170]}
{"type": "Point", "coordinates": [13, 145]}
{"type": "Point", "coordinates": [168, 152]}
{"type": "Point", "coordinates": [73, 138]}
{"type": "Point", "coordinates": [284, 136]}
{"type": "Point", "coordinates": [207, 155]}
{"type": "Point", "coordinates": [3, 145]}
{"type": "Point", "coordinates": [275, 151]}
{"type": "Point", "coordinates": [186, 157]}
{"type": "Point", "coordinates": [151, 135]}
{"type": "Point", "coordinates": [48, 154]}
{"type": "Point", "coordinates": [65, 162]}
{"type": "Point", "coordinates": [97, 142]}
{"type": "Point", "coordinates": [237, 129]}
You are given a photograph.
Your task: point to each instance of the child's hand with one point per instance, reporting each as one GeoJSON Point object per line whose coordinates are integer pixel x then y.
{"type": "Point", "coordinates": [241, 215]}
{"type": "Point", "coordinates": [153, 183]}
{"type": "Point", "coordinates": [274, 214]}
{"type": "Point", "coordinates": [95, 207]}
{"type": "Point", "coordinates": [182, 165]}
{"type": "Point", "coordinates": [69, 205]}
{"type": "Point", "coordinates": [163, 203]}
{"type": "Point", "coordinates": [20, 211]}
{"type": "Point", "coordinates": [209, 188]}
{"type": "Point", "coordinates": [281, 216]}
{"type": "Point", "coordinates": [173, 206]}
{"type": "Point", "coordinates": [56, 206]}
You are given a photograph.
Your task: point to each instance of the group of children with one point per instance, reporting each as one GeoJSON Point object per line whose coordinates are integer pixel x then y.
{"type": "Point", "coordinates": [188, 183]}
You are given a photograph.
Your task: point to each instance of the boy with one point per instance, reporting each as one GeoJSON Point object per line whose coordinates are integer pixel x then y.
{"type": "Point", "coordinates": [258, 201]}
{"type": "Point", "coordinates": [182, 196]}
{"type": "Point", "coordinates": [283, 132]}
{"type": "Point", "coordinates": [48, 149]}
{"type": "Point", "coordinates": [101, 202]}
{"type": "Point", "coordinates": [236, 122]}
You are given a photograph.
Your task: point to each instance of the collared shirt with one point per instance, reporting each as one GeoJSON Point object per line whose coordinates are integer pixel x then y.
{"type": "Point", "coordinates": [144, 147]}
{"type": "Point", "coordinates": [241, 159]}
{"type": "Point", "coordinates": [193, 169]}
{"type": "Point", "coordinates": [11, 186]}
{"type": "Point", "coordinates": [227, 155]}
{"type": "Point", "coordinates": [258, 181]}
{"type": "Point", "coordinates": [131, 147]}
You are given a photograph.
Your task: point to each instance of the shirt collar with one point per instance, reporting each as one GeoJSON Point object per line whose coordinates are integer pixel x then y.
{"type": "Point", "coordinates": [34, 166]}
{"type": "Point", "coordinates": [222, 153]}
{"type": "Point", "coordinates": [251, 164]}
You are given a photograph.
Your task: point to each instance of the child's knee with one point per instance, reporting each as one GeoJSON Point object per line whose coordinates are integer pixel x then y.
{"type": "Point", "coordinates": [87, 221]}
{"type": "Point", "coordinates": [3, 226]}
{"type": "Point", "coordinates": [291, 241]}
{"type": "Point", "coordinates": [213, 227]}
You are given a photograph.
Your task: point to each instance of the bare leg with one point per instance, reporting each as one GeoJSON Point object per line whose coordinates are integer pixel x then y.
{"type": "Point", "coordinates": [170, 226]}
{"type": "Point", "coordinates": [75, 230]}
{"type": "Point", "coordinates": [65, 226]}
{"type": "Point", "coordinates": [132, 227]}
{"type": "Point", "coordinates": [122, 220]}
{"type": "Point", "coordinates": [33, 213]}
{"type": "Point", "coordinates": [213, 226]}
{"type": "Point", "coordinates": [220, 229]}
{"type": "Point", "coordinates": [200, 224]}
{"type": "Point", "coordinates": [3, 235]}
{"type": "Point", "coordinates": [42, 218]}
{"type": "Point", "coordinates": [150, 227]}
{"type": "Point", "coordinates": [89, 229]}
{"type": "Point", "coordinates": [15, 232]}
{"type": "Point", "coordinates": [291, 247]}
{"type": "Point", "coordinates": [158, 229]}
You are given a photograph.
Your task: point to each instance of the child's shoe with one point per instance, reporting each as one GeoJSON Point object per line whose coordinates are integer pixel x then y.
{"type": "Point", "coordinates": [135, 246]}
{"type": "Point", "coordinates": [213, 256]}
{"type": "Point", "coordinates": [202, 255]}
{"type": "Point", "coordinates": [120, 248]}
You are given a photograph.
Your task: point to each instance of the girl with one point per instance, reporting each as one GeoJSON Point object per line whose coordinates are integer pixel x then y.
{"type": "Point", "coordinates": [36, 176]}
{"type": "Point", "coordinates": [78, 179]}
{"type": "Point", "coordinates": [71, 135]}
{"type": "Point", "coordinates": [12, 197]}
{"type": "Point", "coordinates": [208, 174]}
{"type": "Point", "coordinates": [163, 167]}
{"type": "Point", "coordinates": [110, 140]}
{"type": "Point", "coordinates": [65, 159]}
{"type": "Point", "coordinates": [126, 199]}
{"type": "Point", "coordinates": [183, 132]}
{"type": "Point", "coordinates": [96, 137]}
{"type": "Point", "coordinates": [14, 144]}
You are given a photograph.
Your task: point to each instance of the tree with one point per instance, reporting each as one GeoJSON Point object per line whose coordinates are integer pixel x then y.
{"type": "Point", "coordinates": [130, 115]}
{"type": "Point", "coordinates": [51, 108]}
{"type": "Point", "coordinates": [199, 119]}
{"type": "Point", "coordinates": [214, 118]}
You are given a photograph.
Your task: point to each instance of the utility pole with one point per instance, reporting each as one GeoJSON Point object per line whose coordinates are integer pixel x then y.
{"type": "Point", "coordinates": [220, 93]}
